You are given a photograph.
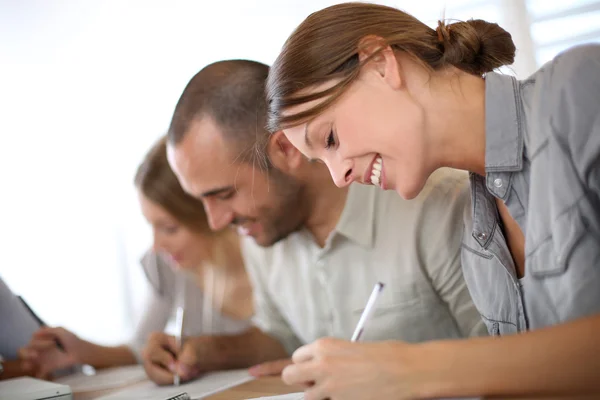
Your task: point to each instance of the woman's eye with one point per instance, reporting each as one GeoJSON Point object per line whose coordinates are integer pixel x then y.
{"type": "Point", "coordinates": [330, 141]}
{"type": "Point", "coordinates": [171, 230]}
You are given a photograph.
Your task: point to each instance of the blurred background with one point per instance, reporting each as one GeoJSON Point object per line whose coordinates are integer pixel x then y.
{"type": "Point", "coordinates": [87, 86]}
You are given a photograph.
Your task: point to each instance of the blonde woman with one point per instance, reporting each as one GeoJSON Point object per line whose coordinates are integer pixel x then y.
{"type": "Point", "coordinates": [188, 265]}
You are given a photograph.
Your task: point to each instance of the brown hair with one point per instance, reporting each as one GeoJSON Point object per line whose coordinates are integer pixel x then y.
{"type": "Point", "coordinates": [326, 44]}
{"type": "Point", "coordinates": [157, 181]}
{"type": "Point", "coordinates": [232, 92]}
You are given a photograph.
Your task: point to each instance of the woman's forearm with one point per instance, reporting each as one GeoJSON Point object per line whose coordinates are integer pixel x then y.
{"type": "Point", "coordinates": [564, 359]}
{"type": "Point", "coordinates": [107, 356]}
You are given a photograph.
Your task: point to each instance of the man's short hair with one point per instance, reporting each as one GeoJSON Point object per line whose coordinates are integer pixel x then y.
{"type": "Point", "coordinates": [232, 92]}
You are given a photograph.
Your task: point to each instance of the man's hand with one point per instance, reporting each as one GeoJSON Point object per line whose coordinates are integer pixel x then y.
{"type": "Point", "coordinates": [270, 368]}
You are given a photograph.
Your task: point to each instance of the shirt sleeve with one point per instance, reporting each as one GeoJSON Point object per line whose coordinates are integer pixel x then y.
{"type": "Point", "coordinates": [442, 228]}
{"type": "Point", "coordinates": [575, 113]}
{"type": "Point", "coordinates": [267, 316]}
{"type": "Point", "coordinates": [575, 154]}
{"type": "Point", "coordinates": [158, 304]}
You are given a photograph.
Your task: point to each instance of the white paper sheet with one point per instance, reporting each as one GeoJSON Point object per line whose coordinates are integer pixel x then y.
{"type": "Point", "coordinates": [202, 387]}
{"type": "Point", "coordinates": [108, 378]}
{"type": "Point", "coordinates": [291, 396]}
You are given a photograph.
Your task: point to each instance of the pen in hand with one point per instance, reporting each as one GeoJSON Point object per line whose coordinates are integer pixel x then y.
{"type": "Point", "coordinates": [367, 311]}
{"type": "Point", "coordinates": [40, 322]}
{"type": "Point", "coordinates": [178, 334]}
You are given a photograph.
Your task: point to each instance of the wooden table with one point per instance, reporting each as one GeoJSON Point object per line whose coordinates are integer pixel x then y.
{"type": "Point", "coordinates": [272, 386]}
{"type": "Point", "coordinates": [268, 386]}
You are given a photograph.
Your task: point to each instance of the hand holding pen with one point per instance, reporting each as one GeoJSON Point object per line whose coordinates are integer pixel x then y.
{"type": "Point", "coordinates": [45, 357]}
{"type": "Point", "coordinates": [40, 322]}
{"type": "Point", "coordinates": [163, 359]}
{"type": "Point", "coordinates": [340, 369]}
{"type": "Point", "coordinates": [167, 360]}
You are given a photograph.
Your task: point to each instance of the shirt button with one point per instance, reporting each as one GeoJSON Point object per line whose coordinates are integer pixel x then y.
{"type": "Point", "coordinates": [481, 236]}
{"type": "Point", "coordinates": [498, 182]}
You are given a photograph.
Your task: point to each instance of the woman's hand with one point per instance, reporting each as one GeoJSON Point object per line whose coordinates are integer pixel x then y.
{"type": "Point", "coordinates": [162, 359]}
{"type": "Point", "coordinates": [341, 370]}
{"type": "Point", "coordinates": [43, 355]}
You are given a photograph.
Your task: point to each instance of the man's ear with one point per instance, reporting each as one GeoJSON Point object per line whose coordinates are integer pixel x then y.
{"type": "Point", "coordinates": [382, 60]}
{"type": "Point", "coordinates": [283, 155]}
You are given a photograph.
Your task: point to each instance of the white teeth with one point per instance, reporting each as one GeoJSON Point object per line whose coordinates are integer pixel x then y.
{"type": "Point", "coordinates": [376, 171]}
{"type": "Point", "coordinates": [377, 164]}
{"type": "Point", "coordinates": [243, 231]}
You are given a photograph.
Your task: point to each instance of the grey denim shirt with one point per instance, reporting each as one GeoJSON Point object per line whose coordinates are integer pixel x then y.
{"type": "Point", "coordinates": [543, 160]}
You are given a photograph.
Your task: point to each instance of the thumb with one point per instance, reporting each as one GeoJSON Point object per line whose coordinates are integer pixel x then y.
{"type": "Point", "coordinates": [269, 368]}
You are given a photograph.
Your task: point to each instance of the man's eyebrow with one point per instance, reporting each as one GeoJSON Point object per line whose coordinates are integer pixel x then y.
{"type": "Point", "coordinates": [216, 191]}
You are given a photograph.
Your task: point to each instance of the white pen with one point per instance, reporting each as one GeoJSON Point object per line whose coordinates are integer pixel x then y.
{"type": "Point", "coordinates": [178, 334]}
{"type": "Point", "coordinates": [367, 311]}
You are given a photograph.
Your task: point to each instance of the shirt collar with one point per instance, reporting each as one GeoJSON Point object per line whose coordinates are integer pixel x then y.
{"type": "Point", "coordinates": [357, 221]}
{"type": "Point", "coordinates": [503, 124]}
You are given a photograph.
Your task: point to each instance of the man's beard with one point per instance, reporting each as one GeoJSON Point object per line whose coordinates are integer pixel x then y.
{"type": "Point", "coordinates": [289, 212]}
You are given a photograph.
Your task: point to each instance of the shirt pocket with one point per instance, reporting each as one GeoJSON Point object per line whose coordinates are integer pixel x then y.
{"type": "Point", "coordinates": [564, 270]}
{"type": "Point", "coordinates": [415, 319]}
{"type": "Point", "coordinates": [551, 257]}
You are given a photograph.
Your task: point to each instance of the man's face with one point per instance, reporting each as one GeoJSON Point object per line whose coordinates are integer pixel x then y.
{"type": "Point", "coordinates": [264, 205]}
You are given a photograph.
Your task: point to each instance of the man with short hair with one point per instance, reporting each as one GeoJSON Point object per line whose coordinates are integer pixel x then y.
{"type": "Point", "coordinates": [312, 250]}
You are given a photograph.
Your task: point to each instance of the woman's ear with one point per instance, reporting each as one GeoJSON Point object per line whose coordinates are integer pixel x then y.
{"type": "Point", "coordinates": [379, 57]}
{"type": "Point", "coordinates": [282, 153]}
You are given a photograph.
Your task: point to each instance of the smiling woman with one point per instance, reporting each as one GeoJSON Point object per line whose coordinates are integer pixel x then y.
{"type": "Point", "coordinates": [384, 99]}
{"type": "Point", "coordinates": [377, 70]}
{"type": "Point", "coordinates": [189, 266]}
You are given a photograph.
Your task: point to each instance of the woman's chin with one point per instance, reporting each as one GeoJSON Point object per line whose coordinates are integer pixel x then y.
{"type": "Point", "coordinates": [184, 267]}
{"type": "Point", "coordinates": [408, 189]}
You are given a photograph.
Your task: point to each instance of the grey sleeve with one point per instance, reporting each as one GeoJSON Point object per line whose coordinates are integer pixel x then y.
{"type": "Point", "coordinates": [443, 228]}
{"type": "Point", "coordinates": [158, 304]}
{"type": "Point", "coordinates": [266, 313]}
{"type": "Point", "coordinates": [16, 323]}
{"type": "Point", "coordinates": [575, 113]}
